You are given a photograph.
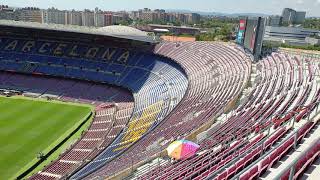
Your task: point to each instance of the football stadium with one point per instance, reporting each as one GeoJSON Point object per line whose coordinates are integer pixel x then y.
{"type": "Point", "coordinates": [116, 103]}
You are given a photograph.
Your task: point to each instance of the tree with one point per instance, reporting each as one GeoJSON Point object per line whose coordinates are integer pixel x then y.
{"type": "Point", "coordinates": [125, 22]}
{"type": "Point", "coordinates": [312, 23]}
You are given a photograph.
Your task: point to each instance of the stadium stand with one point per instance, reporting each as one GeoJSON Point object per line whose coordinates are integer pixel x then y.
{"type": "Point", "coordinates": [157, 84]}
{"type": "Point", "coordinates": [251, 142]}
{"type": "Point", "coordinates": [109, 119]}
{"type": "Point", "coordinates": [217, 74]}
{"type": "Point", "coordinates": [247, 117]}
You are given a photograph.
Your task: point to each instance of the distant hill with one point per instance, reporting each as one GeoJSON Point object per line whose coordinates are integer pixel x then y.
{"type": "Point", "coordinates": [202, 13]}
{"type": "Point", "coordinates": [249, 14]}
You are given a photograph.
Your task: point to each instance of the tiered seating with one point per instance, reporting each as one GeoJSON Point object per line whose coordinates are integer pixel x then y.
{"type": "Point", "coordinates": [217, 73]}
{"type": "Point", "coordinates": [44, 177]}
{"type": "Point", "coordinates": [108, 122]}
{"type": "Point", "coordinates": [305, 161]}
{"type": "Point", "coordinates": [157, 84]}
{"type": "Point", "coordinates": [173, 98]}
{"type": "Point", "coordinates": [240, 124]}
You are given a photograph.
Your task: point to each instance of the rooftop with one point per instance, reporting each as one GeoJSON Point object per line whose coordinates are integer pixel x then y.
{"type": "Point", "coordinates": [123, 32]}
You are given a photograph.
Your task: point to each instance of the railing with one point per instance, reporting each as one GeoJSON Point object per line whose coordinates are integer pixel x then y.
{"type": "Point", "coordinates": [303, 53]}
{"type": "Point", "coordinates": [293, 134]}
{"type": "Point", "coordinates": [291, 166]}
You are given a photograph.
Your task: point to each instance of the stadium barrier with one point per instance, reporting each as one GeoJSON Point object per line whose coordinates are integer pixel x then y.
{"type": "Point", "coordinates": [291, 168]}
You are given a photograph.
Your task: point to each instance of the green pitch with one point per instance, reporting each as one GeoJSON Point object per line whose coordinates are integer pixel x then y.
{"type": "Point", "coordinates": [28, 127]}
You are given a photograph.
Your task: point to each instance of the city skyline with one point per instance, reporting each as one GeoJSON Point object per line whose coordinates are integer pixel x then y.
{"type": "Point", "coordinates": [227, 6]}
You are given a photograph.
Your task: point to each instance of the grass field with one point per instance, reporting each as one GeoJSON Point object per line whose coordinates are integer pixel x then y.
{"type": "Point", "coordinates": [28, 127]}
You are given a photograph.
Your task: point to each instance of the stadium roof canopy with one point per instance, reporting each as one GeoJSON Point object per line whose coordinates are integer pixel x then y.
{"type": "Point", "coordinates": [161, 30]}
{"type": "Point", "coordinates": [123, 32]}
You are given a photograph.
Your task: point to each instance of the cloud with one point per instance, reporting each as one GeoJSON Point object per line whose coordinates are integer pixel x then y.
{"type": "Point", "coordinates": [301, 1]}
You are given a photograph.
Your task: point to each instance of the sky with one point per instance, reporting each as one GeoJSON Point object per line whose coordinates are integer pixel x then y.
{"type": "Point", "coordinates": [225, 6]}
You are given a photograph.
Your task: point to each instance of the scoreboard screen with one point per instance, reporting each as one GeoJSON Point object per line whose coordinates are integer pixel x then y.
{"type": "Point", "coordinates": [242, 29]}
{"type": "Point", "coordinates": [251, 34]}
